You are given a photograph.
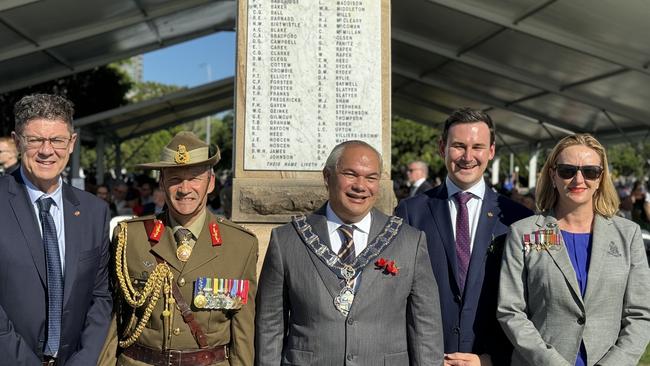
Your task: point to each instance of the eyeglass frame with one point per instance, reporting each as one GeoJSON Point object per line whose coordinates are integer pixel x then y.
{"type": "Point", "coordinates": [580, 168]}
{"type": "Point", "coordinates": [41, 141]}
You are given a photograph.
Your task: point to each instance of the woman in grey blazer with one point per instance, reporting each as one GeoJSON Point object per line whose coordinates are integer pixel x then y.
{"type": "Point", "coordinates": [575, 282]}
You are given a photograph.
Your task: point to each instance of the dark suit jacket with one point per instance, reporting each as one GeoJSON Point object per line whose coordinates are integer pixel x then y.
{"type": "Point", "coordinates": [394, 320]}
{"type": "Point", "coordinates": [23, 295]}
{"type": "Point", "coordinates": [425, 186]}
{"type": "Point", "coordinates": [469, 319]}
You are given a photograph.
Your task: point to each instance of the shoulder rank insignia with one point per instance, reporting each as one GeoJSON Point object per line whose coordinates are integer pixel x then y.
{"type": "Point", "coordinates": [156, 232]}
{"type": "Point", "coordinates": [215, 234]}
{"type": "Point", "coordinates": [182, 156]}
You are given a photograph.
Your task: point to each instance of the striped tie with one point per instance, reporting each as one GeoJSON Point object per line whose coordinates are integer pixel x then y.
{"type": "Point", "coordinates": [346, 253]}
{"type": "Point", "coordinates": [54, 276]}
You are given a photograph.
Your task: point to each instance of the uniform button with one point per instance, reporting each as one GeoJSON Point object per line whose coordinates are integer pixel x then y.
{"type": "Point", "coordinates": [457, 299]}
{"type": "Point", "coordinates": [350, 321]}
{"type": "Point", "coordinates": [456, 330]}
{"type": "Point", "coordinates": [181, 281]}
{"type": "Point", "coordinates": [350, 357]}
{"type": "Point", "coordinates": [581, 320]}
{"type": "Point", "coordinates": [177, 331]}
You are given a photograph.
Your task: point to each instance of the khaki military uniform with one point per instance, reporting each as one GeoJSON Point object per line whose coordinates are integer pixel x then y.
{"type": "Point", "coordinates": [235, 258]}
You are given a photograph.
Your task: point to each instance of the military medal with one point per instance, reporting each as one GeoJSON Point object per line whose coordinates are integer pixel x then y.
{"type": "Point", "coordinates": [200, 301]}
{"type": "Point", "coordinates": [220, 293]}
{"type": "Point", "coordinates": [343, 302]}
{"type": "Point", "coordinates": [184, 250]}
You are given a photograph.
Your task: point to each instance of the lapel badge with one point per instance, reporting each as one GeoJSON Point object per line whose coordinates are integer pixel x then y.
{"type": "Point", "coordinates": [490, 214]}
{"type": "Point", "coordinates": [613, 250]}
{"type": "Point", "coordinates": [77, 213]}
{"type": "Point", "coordinates": [215, 235]}
{"type": "Point", "coordinates": [157, 231]}
{"type": "Point", "coordinates": [147, 264]}
{"type": "Point", "coordinates": [182, 156]}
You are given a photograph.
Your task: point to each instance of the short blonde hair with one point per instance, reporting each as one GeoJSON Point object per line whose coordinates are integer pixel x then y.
{"type": "Point", "coordinates": [606, 200]}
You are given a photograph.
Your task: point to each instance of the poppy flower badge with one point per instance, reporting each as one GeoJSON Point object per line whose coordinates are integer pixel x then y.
{"type": "Point", "coordinates": [387, 266]}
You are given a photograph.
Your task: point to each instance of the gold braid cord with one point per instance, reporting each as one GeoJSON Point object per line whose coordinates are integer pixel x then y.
{"type": "Point", "coordinates": [159, 281]}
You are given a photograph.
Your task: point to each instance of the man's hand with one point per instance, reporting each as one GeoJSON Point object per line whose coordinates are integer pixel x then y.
{"type": "Point", "coordinates": [467, 359]}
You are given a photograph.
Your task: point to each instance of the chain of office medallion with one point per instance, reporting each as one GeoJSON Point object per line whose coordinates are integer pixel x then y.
{"type": "Point", "coordinates": [159, 281]}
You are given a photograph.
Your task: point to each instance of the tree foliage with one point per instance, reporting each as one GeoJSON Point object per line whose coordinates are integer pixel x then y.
{"type": "Point", "coordinates": [100, 89]}
{"type": "Point", "coordinates": [414, 141]}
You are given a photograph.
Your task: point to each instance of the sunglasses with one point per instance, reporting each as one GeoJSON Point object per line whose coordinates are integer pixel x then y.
{"type": "Point", "coordinates": [590, 172]}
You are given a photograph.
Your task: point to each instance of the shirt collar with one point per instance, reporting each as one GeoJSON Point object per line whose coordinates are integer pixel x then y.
{"type": "Point", "coordinates": [478, 189]}
{"type": "Point", "coordinates": [35, 194]}
{"type": "Point", "coordinates": [333, 221]}
{"type": "Point", "coordinates": [195, 227]}
{"type": "Point", "coordinates": [418, 182]}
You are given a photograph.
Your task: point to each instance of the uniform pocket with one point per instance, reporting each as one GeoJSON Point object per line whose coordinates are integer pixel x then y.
{"type": "Point", "coordinates": [297, 357]}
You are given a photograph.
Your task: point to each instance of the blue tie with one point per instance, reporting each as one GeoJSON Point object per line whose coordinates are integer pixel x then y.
{"type": "Point", "coordinates": [54, 276]}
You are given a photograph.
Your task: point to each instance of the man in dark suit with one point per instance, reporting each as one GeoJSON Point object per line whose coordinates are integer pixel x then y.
{"type": "Point", "coordinates": [55, 304]}
{"type": "Point", "coordinates": [417, 173]}
{"type": "Point", "coordinates": [348, 285]}
{"type": "Point", "coordinates": [466, 223]}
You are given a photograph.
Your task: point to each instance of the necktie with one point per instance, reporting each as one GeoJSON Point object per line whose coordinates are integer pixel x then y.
{"type": "Point", "coordinates": [346, 253]}
{"type": "Point", "coordinates": [463, 251]}
{"type": "Point", "coordinates": [54, 276]}
{"type": "Point", "coordinates": [182, 233]}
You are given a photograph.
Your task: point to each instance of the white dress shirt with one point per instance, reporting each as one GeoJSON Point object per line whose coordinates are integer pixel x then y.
{"type": "Point", "coordinates": [56, 210]}
{"type": "Point", "coordinates": [360, 234]}
{"type": "Point", "coordinates": [473, 206]}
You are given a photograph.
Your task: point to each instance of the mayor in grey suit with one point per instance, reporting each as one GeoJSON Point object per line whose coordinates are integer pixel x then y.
{"type": "Point", "coordinates": [324, 301]}
{"type": "Point", "coordinates": [575, 283]}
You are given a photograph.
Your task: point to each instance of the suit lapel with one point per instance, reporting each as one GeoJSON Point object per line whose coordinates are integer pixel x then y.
{"type": "Point", "coordinates": [72, 242]}
{"type": "Point", "coordinates": [28, 223]}
{"type": "Point", "coordinates": [483, 237]}
{"type": "Point", "coordinates": [439, 208]}
{"type": "Point", "coordinates": [561, 257]}
{"type": "Point", "coordinates": [600, 243]}
{"type": "Point", "coordinates": [369, 274]}
{"type": "Point", "coordinates": [318, 222]}
{"type": "Point", "coordinates": [203, 250]}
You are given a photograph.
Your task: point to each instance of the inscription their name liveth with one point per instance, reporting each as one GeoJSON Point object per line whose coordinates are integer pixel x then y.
{"type": "Point", "coordinates": [313, 80]}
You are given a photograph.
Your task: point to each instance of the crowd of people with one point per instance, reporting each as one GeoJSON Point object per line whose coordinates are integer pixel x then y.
{"type": "Point", "coordinates": [459, 275]}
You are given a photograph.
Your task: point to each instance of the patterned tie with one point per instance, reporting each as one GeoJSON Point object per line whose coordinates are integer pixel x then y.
{"type": "Point", "coordinates": [346, 253]}
{"type": "Point", "coordinates": [54, 276]}
{"type": "Point", "coordinates": [182, 233]}
{"type": "Point", "coordinates": [463, 252]}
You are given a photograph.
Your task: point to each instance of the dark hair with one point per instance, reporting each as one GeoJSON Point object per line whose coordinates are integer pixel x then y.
{"type": "Point", "coordinates": [468, 115]}
{"type": "Point", "coordinates": [46, 106]}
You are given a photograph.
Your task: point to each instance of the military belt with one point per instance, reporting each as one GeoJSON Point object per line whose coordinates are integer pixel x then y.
{"type": "Point", "coordinates": [171, 357]}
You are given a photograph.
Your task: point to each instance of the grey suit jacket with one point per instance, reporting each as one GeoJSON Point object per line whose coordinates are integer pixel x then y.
{"type": "Point", "coordinates": [394, 320]}
{"type": "Point", "coordinates": [543, 313]}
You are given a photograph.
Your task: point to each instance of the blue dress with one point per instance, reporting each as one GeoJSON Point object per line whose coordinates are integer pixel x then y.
{"type": "Point", "coordinates": [578, 246]}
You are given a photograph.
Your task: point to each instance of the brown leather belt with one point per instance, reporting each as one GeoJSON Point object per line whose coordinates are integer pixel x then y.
{"type": "Point", "coordinates": [194, 357]}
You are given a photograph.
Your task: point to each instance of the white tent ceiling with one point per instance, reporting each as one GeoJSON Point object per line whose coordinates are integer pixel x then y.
{"type": "Point", "coordinates": [542, 68]}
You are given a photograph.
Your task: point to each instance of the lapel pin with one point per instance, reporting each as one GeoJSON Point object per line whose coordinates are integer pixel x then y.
{"type": "Point", "coordinates": [77, 213]}
{"type": "Point", "coordinates": [490, 214]}
{"type": "Point", "coordinates": [147, 264]}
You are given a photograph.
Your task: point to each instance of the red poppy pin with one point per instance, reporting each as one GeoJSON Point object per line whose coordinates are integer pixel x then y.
{"type": "Point", "coordinates": [387, 266]}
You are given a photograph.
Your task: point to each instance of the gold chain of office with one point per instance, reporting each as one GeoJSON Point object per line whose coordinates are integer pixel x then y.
{"type": "Point", "coordinates": [159, 281]}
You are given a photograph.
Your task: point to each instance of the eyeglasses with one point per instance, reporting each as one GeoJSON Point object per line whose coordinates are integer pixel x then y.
{"type": "Point", "coordinates": [567, 171]}
{"type": "Point", "coordinates": [57, 142]}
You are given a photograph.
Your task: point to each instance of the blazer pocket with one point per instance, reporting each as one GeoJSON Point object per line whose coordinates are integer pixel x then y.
{"type": "Point", "coordinates": [297, 357]}
{"type": "Point", "coordinates": [396, 359]}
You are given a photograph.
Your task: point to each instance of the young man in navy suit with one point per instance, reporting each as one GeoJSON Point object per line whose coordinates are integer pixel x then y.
{"type": "Point", "coordinates": [466, 223]}
{"type": "Point", "coordinates": [55, 305]}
